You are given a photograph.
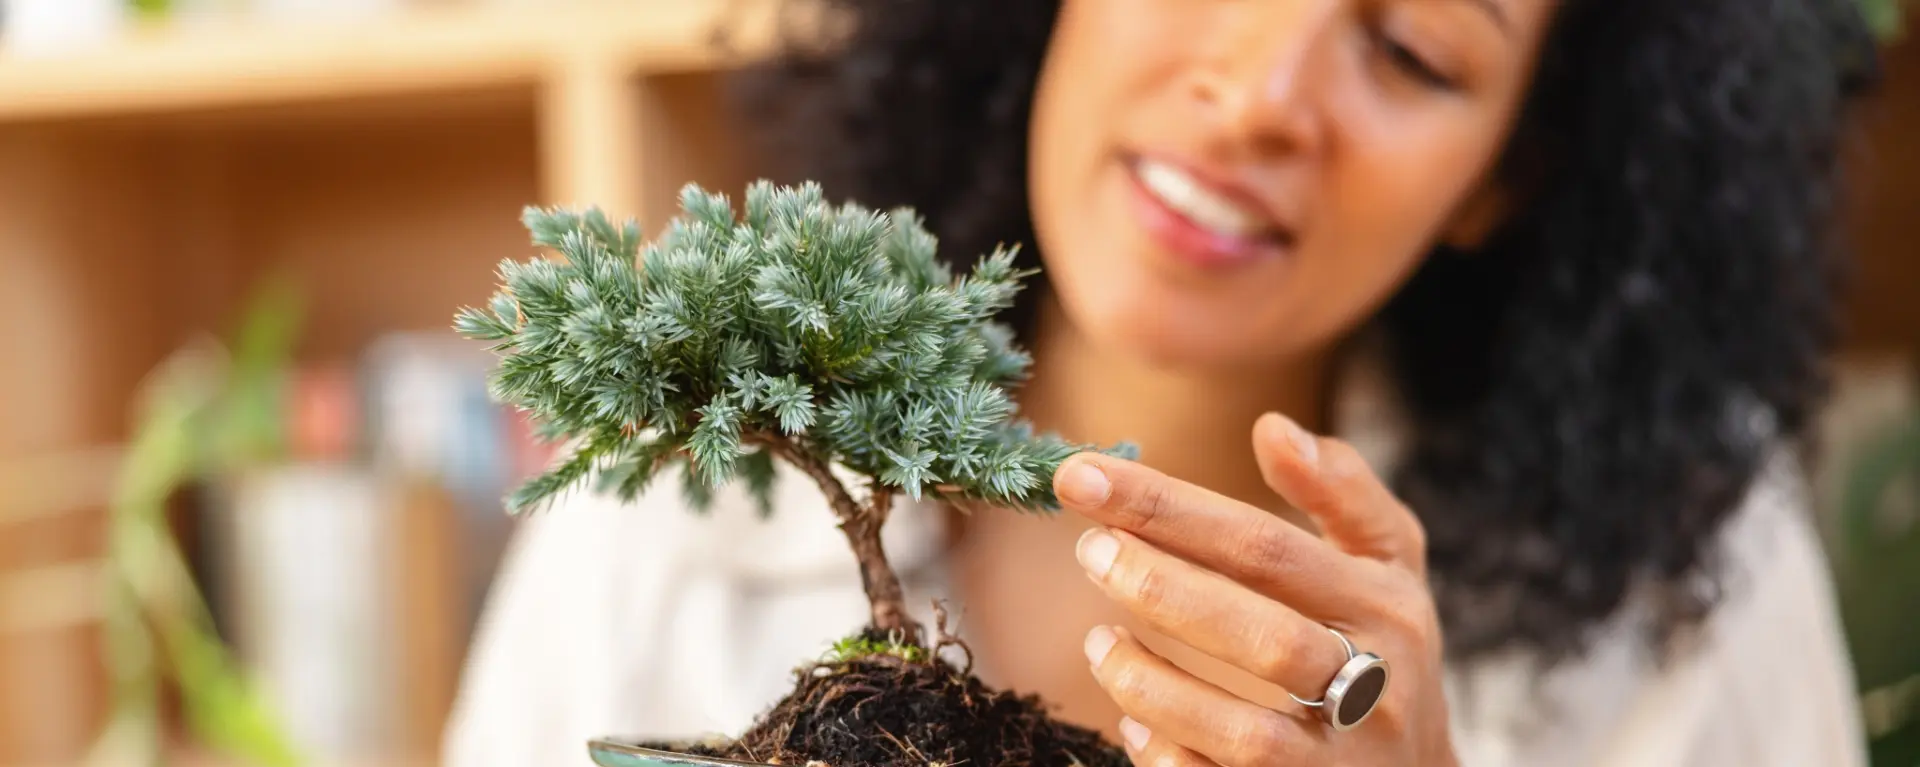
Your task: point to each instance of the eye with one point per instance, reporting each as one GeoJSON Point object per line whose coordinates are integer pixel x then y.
{"type": "Point", "coordinates": [1410, 63]}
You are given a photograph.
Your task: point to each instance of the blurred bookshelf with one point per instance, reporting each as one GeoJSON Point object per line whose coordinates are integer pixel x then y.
{"type": "Point", "coordinates": [150, 178]}
{"type": "Point", "coordinates": [241, 61]}
{"type": "Point", "coordinates": [1877, 397]}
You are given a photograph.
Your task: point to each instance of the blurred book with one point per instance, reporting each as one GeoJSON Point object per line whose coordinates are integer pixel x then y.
{"type": "Point", "coordinates": [351, 576]}
{"type": "Point", "coordinates": [432, 420]}
{"type": "Point", "coordinates": [307, 581]}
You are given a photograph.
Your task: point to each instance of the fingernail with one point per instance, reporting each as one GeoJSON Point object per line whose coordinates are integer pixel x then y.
{"type": "Point", "coordinates": [1083, 484]}
{"type": "Point", "coordinates": [1096, 551]}
{"type": "Point", "coordinates": [1100, 642]}
{"type": "Point", "coordinates": [1134, 733]}
{"type": "Point", "coordinates": [1304, 444]}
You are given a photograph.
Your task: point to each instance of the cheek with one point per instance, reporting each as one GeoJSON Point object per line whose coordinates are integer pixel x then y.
{"type": "Point", "coordinates": [1393, 190]}
{"type": "Point", "coordinates": [1386, 191]}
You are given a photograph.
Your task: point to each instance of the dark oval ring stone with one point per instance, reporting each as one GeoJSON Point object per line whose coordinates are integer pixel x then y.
{"type": "Point", "coordinates": [1355, 691]}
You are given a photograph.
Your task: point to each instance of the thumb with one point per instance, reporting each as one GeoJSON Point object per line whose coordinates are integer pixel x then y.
{"type": "Point", "coordinates": [1328, 481]}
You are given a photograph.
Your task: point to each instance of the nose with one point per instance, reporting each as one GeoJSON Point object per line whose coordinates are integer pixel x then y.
{"type": "Point", "coordinates": [1262, 79]}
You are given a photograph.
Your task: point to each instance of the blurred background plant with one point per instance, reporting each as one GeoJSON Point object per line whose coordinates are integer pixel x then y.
{"type": "Point", "coordinates": [206, 411]}
{"type": "Point", "coordinates": [1877, 568]}
{"type": "Point", "coordinates": [1886, 16]}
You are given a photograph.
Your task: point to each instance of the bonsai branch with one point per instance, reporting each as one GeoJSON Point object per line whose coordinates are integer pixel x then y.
{"type": "Point", "coordinates": [861, 523]}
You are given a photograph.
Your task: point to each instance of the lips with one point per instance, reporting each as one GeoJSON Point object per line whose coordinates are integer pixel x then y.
{"type": "Point", "coordinates": [1202, 220]}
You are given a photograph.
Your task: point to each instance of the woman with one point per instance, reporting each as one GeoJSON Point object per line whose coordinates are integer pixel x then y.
{"type": "Point", "coordinates": [1556, 272]}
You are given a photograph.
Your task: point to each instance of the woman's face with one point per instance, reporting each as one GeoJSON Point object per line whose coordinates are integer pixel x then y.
{"type": "Point", "coordinates": [1220, 183]}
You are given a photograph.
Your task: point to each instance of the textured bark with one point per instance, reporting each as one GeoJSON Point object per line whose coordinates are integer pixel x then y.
{"type": "Point", "coordinates": [861, 523]}
{"type": "Point", "coordinates": [888, 600]}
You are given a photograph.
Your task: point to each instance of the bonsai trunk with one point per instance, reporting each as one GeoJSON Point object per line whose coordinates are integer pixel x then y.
{"type": "Point", "coordinates": [876, 573]}
{"type": "Point", "coordinates": [861, 523]}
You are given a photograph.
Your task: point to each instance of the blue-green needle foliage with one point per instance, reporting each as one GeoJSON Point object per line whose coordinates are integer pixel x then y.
{"type": "Point", "coordinates": [800, 328]}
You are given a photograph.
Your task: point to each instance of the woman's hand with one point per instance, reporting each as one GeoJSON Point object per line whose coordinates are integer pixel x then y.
{"type": "Point", "coordinates": [1255, 591]}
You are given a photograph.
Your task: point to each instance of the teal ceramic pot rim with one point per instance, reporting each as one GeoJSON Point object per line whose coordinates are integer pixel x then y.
{"type": "Point", "coordinates": [615, 753]}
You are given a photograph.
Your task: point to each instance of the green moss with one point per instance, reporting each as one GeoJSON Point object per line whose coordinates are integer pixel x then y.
{"type": "Point", "coordinates": [856, 647]}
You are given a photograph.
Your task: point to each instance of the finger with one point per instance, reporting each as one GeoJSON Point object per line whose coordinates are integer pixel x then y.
{"type": "Point", "coordinates": [1242, 542]}
{"type": "Point", "coordinates": [1329, 481]}
{"type": "Point", "coordinates": [1147, 751]}
{"type": "Point", "coordinates": [1212, 614]}
{"type": "Point", "coordinates": [1178, 706]}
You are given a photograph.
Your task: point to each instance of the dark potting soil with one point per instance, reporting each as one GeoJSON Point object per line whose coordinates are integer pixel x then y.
{"type": "Point", "coordinates": [881, 711]}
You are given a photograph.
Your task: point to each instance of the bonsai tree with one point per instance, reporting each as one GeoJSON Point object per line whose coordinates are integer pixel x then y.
{"type": "Point", "coordinates": [793, 331]}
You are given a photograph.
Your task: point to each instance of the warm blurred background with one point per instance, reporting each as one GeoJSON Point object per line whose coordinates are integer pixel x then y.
{"type": "Point", "coordinates": [248, 478]}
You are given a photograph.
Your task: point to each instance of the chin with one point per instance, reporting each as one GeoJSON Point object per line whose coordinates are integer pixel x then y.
{"type": "Point", "coordinates": [1134, 301]}
{"type": "Point", "coordinates": [1169, 336]}
{"type": "Point", "coordinates": [1168, 349]}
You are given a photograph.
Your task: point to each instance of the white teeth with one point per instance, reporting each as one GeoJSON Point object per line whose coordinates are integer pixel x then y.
{"type": "Point", "coordinates": [1187, 197]}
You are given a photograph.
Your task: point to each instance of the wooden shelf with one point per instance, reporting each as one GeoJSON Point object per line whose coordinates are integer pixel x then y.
{"type": "Point", "coordinates": [148, 182]}
{"type": "Point", "coordinates": [207, 65]}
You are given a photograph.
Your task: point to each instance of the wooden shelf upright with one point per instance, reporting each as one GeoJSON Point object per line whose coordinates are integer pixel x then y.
{"type": "Point", "coordinates": [147, 183]}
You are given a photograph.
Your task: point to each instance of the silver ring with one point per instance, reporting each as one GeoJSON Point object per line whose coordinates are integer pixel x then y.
{"type": "Point", "coordinates": [1355, 690]}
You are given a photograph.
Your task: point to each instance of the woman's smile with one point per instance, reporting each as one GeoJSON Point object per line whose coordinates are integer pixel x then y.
{"type": "Point", "coordinates": [1201, 220]}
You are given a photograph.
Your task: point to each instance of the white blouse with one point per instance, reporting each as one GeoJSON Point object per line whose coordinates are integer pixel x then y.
{"type": "Point", "coordinates": [649, 622]}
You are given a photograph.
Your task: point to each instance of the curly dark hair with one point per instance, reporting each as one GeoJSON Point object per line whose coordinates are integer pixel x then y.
{"type": "Point", "coordinates": [1594, 390]}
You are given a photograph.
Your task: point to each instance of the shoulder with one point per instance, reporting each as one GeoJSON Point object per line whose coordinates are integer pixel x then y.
{"type": "Point", "coordinates": [1773, 638]}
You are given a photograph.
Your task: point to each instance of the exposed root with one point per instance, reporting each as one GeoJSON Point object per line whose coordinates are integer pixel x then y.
{"type": "Point", "coordinates": [886, 711]}
{"type": "Point", "coordinates": [943, 639]}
